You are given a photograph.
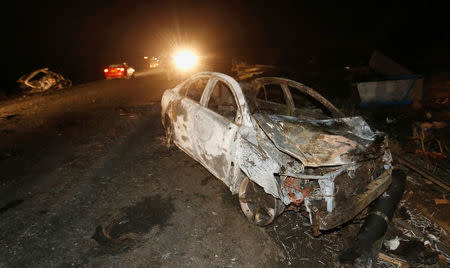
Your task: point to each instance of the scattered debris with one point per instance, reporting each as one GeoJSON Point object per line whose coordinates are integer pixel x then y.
{"type": "Point", "coordinates": [416, 252]}
{"type": "Point", "coordinates": [43, 80]}
{"type": "Point", "coordinates": [243, 70]}
{"type": "Point", "coordinates": [403, 161]}
{"type": "Point", "coordinates": [419, 228]}
{"type": "Point", "coordinates": [392, 244]}
{"type": "Point", "coordinates": [439, 201]}
{"type": "Point", "coordinates": [395, 261]}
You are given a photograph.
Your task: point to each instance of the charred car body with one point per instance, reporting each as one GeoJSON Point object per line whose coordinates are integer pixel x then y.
{"type": "Point", "coordinates": [278, 143]}
{"type": "Point", "coordinates": [42, 80]}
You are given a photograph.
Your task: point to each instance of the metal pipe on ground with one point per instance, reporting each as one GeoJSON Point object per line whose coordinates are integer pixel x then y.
{"type": "Point", "coordinates": [368, 241]}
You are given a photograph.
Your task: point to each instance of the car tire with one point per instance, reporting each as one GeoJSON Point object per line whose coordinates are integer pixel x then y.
{"type": "Point", "coordinates": [169, 131]}
{"type": "Point", "coordinates": [259, 207]}
{"type": "Point", "coordinates": [67, 83]}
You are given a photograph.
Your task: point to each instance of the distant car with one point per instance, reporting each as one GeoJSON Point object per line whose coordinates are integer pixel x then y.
{"type": "Point", "coordinates": [119, 71]}
{"type": "Point", "coordinates": [277, 142]}
{"type": "Point", "coordinates": [154, 63]}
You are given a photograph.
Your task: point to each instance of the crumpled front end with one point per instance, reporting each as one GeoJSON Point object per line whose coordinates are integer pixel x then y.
{"type": "Point", "coordinates": [345, 165]}
{"type": "Point", "coordinates": [335, 195]}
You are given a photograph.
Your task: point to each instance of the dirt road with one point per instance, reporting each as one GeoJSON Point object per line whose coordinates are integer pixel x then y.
{"type": "Point", "coordinates": [86, 180]}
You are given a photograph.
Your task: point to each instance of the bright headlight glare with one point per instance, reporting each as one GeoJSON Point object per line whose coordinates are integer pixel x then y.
{"type": "Point", "coordinates": [185, 60]}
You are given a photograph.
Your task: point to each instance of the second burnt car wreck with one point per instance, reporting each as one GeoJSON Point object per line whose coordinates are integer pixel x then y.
{"type": "Point", "coordinates": [42, 80]}
{"type": "Point", "coordinates": [278, 143]}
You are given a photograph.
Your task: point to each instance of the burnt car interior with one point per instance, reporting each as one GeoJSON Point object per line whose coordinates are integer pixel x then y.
{"type": "Point", "coordinates": [306, 106]}
{"type": "Point", "coordinates": [272, 99]}
{"type": "Point", "coordinates": [269, 98]}
{"type": "Point", "coordinates": [194, 89]}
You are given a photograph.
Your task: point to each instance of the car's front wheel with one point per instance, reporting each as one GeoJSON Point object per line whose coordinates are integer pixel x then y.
{"type": "Point", "coordinates": [169, 130]}
{"type": "Point", "coordinates": [260, 207]}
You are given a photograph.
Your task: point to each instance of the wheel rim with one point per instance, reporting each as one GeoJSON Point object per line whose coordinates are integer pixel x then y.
{"type": "Point", "coordinates": [259, 207]}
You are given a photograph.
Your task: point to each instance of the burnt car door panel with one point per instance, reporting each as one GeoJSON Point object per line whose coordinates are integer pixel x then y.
{"type": "Point", "coordinates": [216, 131]}
{"type": "Point", "coordinates": [184, 113]}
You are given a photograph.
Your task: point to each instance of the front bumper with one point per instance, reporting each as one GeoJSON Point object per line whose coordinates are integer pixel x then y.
{"type": "Point", "coordinates": [115, 75]}
{"type": "Point", "coordinates": [323, 220]}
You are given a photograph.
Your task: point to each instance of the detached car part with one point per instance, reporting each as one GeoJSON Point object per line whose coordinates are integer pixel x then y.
{"type": "Point", "coordinates": [277, 143]}
{"type": "Point", "coordinates": [365, 247]}
{"type": "Point", "coordinates": [42, 80]}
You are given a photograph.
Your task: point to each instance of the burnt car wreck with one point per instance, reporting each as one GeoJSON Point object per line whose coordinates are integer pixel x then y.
{"type": "Point", "coordinates": [43, 80]}
{"type": "Point", "coordinates": [278, 143]}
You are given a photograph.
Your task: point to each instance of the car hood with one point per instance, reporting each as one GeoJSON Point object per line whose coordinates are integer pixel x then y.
{"type": "Point", "coordinates": [329, 142]}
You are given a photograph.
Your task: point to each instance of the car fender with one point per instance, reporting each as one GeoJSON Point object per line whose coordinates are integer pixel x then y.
{"type": "Point", "coordinates": [167, 97]}
{"type": "Point", "coordinates": [259, 167]}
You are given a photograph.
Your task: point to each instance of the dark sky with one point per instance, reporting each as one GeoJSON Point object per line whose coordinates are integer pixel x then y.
{"type": "Point", "coordinates": [78, 38]}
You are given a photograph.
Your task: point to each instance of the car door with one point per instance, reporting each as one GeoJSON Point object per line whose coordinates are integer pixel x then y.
{"type": "Point", "coordinates": [185, 113]}
{"type": "Point", "coordinates": [216, 129]}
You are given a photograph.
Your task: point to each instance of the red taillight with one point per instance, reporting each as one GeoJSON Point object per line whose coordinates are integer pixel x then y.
{"type": "Point", "coordinates": [106, 70]}
{"type": "Point", "coordinates": [122, 69]}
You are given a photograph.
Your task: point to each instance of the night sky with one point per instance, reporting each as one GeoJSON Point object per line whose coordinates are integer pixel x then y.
{"type": "Point", "coordinates": [78, 38]}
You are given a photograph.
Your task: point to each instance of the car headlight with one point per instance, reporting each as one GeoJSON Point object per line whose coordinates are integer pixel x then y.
{"type": "Point", "coordinates": [185, 60]}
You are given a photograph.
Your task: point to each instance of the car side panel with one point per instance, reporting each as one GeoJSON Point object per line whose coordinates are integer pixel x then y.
{"type": "Point", "coordinates": [183, 112]}
{"type": "Point", "coordinates": [215, 141]}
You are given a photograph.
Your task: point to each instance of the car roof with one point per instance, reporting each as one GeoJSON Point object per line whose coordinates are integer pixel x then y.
{"type": "Point", "coordinates": [116, 65]}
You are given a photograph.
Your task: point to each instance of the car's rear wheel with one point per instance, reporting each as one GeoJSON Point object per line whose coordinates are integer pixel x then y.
{"type": "Point", "coordinates": [260, 207]}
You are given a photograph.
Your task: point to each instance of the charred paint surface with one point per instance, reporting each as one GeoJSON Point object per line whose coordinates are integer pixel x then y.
{"type": "Point", "coordinates": [348, 210]}
{"type": "Point", "coordinates": [178, 111]}
{"type": "Point", "coordinates": [292, 158]}
{"type": "Point", "coordinates": [318, 142]}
